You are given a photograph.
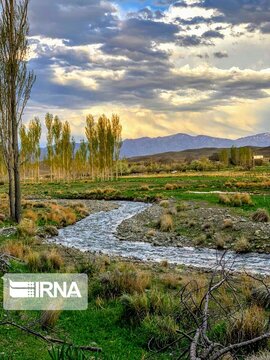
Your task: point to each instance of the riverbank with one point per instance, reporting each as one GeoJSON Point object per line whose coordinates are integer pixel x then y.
{"type": "Point", "coordinates": [197, 224]}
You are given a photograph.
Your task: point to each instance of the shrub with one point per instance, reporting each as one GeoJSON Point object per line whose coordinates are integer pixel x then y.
{"type": "Point", "coordinates": [261, 215]}
{"type": "Point", "coordinates": [227, 224]}
{"type": "Point", "coordinates": [220, 241]}
{"type": "Point", "coordinates": [27, 228]}
{"type": "Point", "coordinates": [16, 249]}
{"type": "Point", "coordinates": [161, 330]}
{"type": "Point", "coordinates": [31, 215]}
{"type": "Point", "coordinates": [170, 281]}
{"type": "Point", "coordinates": [260, 356]}
{"type": "Point", "coordinates": [242, 245]}
{"type": "Point", "coordinates": [33, 261]}
{"type": "Point", "coordinates": [164, 203]}
{"type": "Point", "coordinates": [183, 206]}
{"type": "Point", "coordinates": [55, 260]}
{"type": "Point", "coordinates": [224, 199]}
{"type": "Point", "coordinates": [172, 186]}
{"type": "Point", "coordinates": [145, 187]}
{"type": "Point", "coordinates": [151, 233]}
{"type": "Point", "coordinates": [166, 223]}
{"type": "Point", "coordinates": [261, 296]}
{"type": "Point", "coordinates": [48, 319]}
{"type": "Point", "coordinates": [51, 230]}
{"type": "Point", "coordinates": [248, 325]}
{"type": "Point", "coordinates": [135, 307]}
{"type": "Point", "coordinates": [236, 200]}
{"type": "Point", "coordinates": [120, 281]}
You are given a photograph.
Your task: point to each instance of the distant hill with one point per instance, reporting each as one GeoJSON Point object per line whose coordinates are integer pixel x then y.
{"type": "Point", "coordinates": [192, 154]}
{"type": "Point", "coordinates": [180, 142]}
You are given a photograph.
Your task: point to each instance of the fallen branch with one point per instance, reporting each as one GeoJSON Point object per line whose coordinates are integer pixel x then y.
{"type": "Point", "coordinates": [50, 339]}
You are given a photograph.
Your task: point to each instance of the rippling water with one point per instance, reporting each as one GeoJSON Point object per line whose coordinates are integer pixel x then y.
{"type": "Point", "coordinates": [97, 233]}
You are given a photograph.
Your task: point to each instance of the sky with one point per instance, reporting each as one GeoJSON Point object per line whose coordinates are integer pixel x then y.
{"type": "Point", "coordinates": [165, 66]}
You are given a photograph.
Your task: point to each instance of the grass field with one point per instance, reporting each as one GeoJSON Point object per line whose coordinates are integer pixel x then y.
{"type": "Point", "coordinates": [106, 323]}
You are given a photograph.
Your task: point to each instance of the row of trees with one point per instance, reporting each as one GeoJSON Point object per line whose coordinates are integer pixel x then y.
{"type": "Point", "coordinates": [237, 157]}
{"type": "Point", "coordinates": [98, 157]}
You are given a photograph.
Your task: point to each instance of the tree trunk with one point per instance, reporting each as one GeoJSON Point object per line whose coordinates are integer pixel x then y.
{"type": "Point", "coordinates": [11, 193]}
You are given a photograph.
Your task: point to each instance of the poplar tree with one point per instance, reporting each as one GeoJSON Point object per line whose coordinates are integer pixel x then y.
{"type": "Point", "coordinates": [57, 132]}
{"type": "Point", "coordinates": [49, 126]}
{"type": "Point", "coordinates": [66, 149]}
{"type": "Point", "coordinates": [15, 88]}
{"type": "Point", "coordinates": [117, 134]}
{"type": "Point", "coordinates": [34, 140]}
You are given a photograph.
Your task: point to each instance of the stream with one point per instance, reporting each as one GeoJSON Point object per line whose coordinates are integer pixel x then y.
{"type": "Point", "coordinates": [97, 233]}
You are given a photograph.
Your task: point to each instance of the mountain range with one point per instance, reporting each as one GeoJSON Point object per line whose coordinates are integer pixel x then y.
{"type": "Point", "coordinates": [179, 142]}
{"type": "Point", "coordinates": [150, 146]}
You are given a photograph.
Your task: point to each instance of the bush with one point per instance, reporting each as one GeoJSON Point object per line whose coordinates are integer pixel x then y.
{"type": "Point", "coordinates": [248, 325]}
{"type": "Point", "coordinates": [242, 245]}
{"type": "Point", "coordinates": [145, 187]}
{"type": "Point", "coordinates": [55, 260]}
{"type": "Point", "coordinates": [33, 261]}
{"type": "Point", "coordinates": [183, 206]}
{"type": "Point", "coordinates": [48, 319]}
{"type": "Point", "coordinates": [220, 241]}
{"type": "Point", "coordinates": [27, 228]}
{"type": "Point", "coordinates": [166, 223]}
{"type": "Point", "coordinates": [164, 203]}
{"type": "Point", "coordinates": [122, 280]}
{"type": "Point", "coordinates": [135, 307]}
{"type": "Point", "coordinates": [260, 356]}
{"type": "Point", "coordinates": [261, 215]}
{"type": "Point", "coordinates": [161, 330]}
{"type": "Point", "coordinates": [16, 249]}
{"type": "Point", "coordinates": [236, 200]}
{"type": "Point", "coordinates": [172, 186]}
{"type": "Point", "coordinates": [227, 224]}
{"type": "Point", "coordinates": [261, 296]}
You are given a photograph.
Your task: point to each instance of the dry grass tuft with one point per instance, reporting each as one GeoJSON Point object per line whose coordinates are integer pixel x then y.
{"type": "Point", "coordinates": [164, 203]}
{"type": "Point", "coordinates": [227, 224]}
{"type": "Point", "coordinates": [248, 325]}
{"type": "Point", "coordinates": [166, 223]}
{"type": "Point", "coordinates": [236, 200]}
{"type": "Point", "coordinates": [16, 249]}
{"type": "Point", "coordinates": [145, 187]}
{"type": "Point", "coordinates": [261, 215]}
{"type": "Point", "coordinates": [27, 227]}
{"type": "Point", "coordinates": [242, 245]}
{"type": "Point", "coordinates": [49, 318]}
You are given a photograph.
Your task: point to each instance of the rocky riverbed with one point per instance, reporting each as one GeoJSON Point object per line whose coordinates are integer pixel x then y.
{"type": "Point", "coordinates": [197, 224]}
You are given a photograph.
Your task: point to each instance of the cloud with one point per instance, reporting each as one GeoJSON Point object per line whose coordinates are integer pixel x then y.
{"type": "Point", "coordinates": [151, 60]}
{"type": "Point", "coordinates": [221, 54]}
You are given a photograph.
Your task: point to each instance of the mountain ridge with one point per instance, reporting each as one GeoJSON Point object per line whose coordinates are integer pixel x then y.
{"type": "Point", "coordinates": [181, 141]}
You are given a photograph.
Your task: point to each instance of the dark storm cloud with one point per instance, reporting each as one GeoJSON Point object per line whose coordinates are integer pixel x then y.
{"type": "Point", "coordinates": [221, 54]}
{"type": "Point", "coordinates": [211, 34]}
{"type": "Point", "coordinates": [256, 12]}
{"type": "Point", "coordinates": [78, 21]}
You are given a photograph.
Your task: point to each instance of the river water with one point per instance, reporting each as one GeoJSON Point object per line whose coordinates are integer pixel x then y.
{"type": "Point", "coordinates": [97, 233]}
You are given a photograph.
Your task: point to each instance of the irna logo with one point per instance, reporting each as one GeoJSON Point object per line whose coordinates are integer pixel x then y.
{"type": "Point", "coordinates": [45, 291]}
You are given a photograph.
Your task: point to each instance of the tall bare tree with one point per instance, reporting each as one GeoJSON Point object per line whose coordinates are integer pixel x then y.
{"type": "Point", "coordinates": [15, 87]}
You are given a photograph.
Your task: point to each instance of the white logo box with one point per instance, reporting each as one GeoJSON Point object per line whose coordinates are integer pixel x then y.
{"type": "Point", "coordinates": [45, 291]}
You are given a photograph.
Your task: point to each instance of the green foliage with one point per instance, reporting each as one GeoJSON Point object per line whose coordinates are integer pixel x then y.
{"type": "Point", "coordinates": [66, 352]}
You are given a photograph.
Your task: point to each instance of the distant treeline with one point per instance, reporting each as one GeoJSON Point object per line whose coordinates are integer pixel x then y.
{"type": "Point", "coordinates": [97, 157]}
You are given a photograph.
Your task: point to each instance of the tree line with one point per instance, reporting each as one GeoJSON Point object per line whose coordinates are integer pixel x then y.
{"type": "Point", "coordinates": [97, 157]}
{"type": "Point", "coordinates": [237, 157]}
